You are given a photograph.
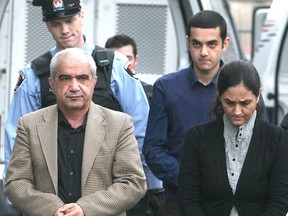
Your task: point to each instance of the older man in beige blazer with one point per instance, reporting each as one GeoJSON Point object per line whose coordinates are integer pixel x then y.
{"type": "Point", "coordinates": [112, 178]}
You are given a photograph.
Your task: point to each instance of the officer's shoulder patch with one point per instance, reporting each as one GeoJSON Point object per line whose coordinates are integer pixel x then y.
{"type": "Point", "coordinates": [130, 70]}
{"type": "Point", "coordinates": [21, 78]}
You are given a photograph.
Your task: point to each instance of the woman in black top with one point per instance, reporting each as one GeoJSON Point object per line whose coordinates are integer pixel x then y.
{"type": "Point", "coordinates": [236, 165]}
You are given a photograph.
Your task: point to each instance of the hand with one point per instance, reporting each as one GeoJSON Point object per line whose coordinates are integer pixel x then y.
{"type": "Point", "coordinates": [155, 199]}
{"type": "Point", "coordinates": [71, 209]}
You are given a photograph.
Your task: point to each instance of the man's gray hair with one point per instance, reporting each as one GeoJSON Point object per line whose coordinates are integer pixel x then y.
{"type": "Point", "coordinates": [73, 53]}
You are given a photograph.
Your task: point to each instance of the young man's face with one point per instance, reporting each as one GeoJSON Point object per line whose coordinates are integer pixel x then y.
{"type": "Point", "coordinates": [206, 48]}
{"type": "Point", "coordinates": [128, 51]}
{"type": "Point", "coordinates": [67, 32]}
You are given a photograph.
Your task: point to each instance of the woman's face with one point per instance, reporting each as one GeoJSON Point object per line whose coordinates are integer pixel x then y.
{"type": "Point", "coordinates": [239, 104]}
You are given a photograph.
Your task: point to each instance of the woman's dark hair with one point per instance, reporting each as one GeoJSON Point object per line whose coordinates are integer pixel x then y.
{"type": "Point", "coordinates": [238, 73]}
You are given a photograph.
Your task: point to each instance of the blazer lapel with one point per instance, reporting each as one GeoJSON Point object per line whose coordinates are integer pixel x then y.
{"type": "Point", "coordinates": [95, 131]}
{"type": "Point", "coordinates": [48, 140]}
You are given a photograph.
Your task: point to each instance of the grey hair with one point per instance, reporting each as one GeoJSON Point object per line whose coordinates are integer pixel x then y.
{"type": "Point", "coordinates": [74, 53]}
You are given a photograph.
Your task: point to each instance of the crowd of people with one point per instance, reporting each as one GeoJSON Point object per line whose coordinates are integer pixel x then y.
{"type": "Point", "coordinates": [83, 137]}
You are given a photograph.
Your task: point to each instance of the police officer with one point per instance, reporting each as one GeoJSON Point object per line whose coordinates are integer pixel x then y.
{"type": "Point", "coordinates": [64, 20]}
{"type": "Point", "coordinates": [127, 45]}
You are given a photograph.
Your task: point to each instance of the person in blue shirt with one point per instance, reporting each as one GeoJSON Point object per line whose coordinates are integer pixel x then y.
{"type": "Point", "coordinates": [153, 200]}
{"type": "Point", "coordinates": [127, 46]}
{"type": "Point", "coordinates": [184, 99]}
{"type": "Point", "coordinates": [65, 21]}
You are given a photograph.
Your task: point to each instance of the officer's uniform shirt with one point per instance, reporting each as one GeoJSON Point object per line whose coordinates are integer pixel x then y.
{"type": "Point", "coordinates": [127, 90]}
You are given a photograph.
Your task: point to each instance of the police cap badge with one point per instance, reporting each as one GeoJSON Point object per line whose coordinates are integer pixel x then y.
{"type": "Point", "coordinates": [57, 9]}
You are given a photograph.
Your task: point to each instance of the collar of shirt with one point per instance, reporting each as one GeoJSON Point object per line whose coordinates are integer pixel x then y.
{"type": "Point", "coordinates": [237, 141]}
{"type": "Point", "coordinates": [242, 132]}
{"type": "Point", "coordinates": [88, 47]}
{"type": "Point", "coordinates": [193, 79]}
{"type": "Point", "coordinates": [63, 121]}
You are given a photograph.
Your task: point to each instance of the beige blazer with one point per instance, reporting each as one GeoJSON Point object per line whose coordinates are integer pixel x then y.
{"type": "Point", "coordinates": [112, 175]}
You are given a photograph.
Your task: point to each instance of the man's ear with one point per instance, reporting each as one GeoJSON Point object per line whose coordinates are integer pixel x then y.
{"type": "Point", "coordinates": [136, 60]}
{"type": "Point", "coordinates": [187, 40]}
{"type": "Point", "coordinates": [51, 83]}
{"type": "Point", "coordinates": [82, 15]}
{"type": "Point", "coordinates": [226, 43]}
{"type": "Point", "coordinates": [95, 81]}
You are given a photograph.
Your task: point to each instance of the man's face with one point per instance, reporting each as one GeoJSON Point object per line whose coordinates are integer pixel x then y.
{"type": "Point", "coordinates": [206, 48]}
{"type": "Point", "coordinates": [239, 104]}
{"type": "Point", "coordinates": [67, 32]}
{"type": "Point", "coordinates": [73, 84]}
{"type": "Point", "coordinates": [128, 51]}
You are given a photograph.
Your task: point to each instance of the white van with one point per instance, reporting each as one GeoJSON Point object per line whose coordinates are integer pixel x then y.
{"type": "Point", "coordinates": [158, 26]}
{"type": "Point", "coordinates": [270, 56]}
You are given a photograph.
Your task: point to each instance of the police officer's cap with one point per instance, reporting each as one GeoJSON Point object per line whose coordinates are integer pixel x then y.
{"type": "Point", "coordinates": [57, 9]}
